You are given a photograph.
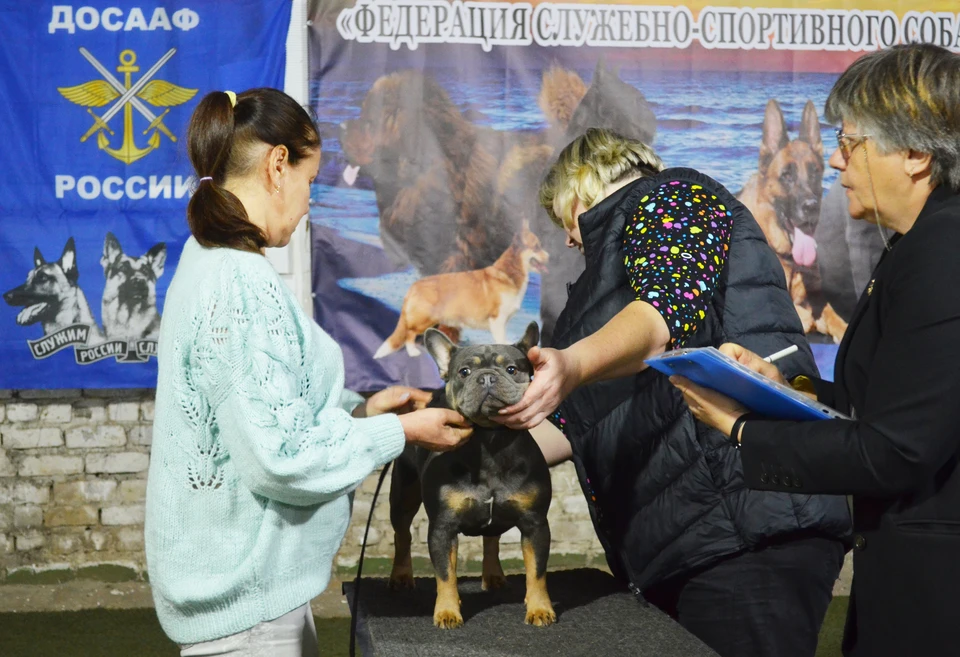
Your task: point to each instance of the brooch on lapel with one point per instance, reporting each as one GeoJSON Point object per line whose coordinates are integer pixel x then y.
{"type": "Point", "coordinates": [870, 287]}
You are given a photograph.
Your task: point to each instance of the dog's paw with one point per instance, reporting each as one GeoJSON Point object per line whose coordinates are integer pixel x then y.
{"type": "Point", "coordinates": [401, 581]}
{"type": "Point", "coordinates": [540, 616]}
{"type": "Point", "coordinates": [493, 582]}
{"type": "Point", "coordinates": [447, 619]}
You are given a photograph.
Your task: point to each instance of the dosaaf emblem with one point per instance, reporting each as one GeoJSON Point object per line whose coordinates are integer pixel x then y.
{"type": "Point", "coordinates": [127, 97]}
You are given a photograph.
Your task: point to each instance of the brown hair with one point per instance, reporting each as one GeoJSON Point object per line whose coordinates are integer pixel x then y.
{"type": "Point", "coordinates": [222, 140]}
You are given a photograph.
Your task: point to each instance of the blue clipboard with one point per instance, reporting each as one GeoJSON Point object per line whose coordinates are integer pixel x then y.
{"type": "Point", "coordinates": [711, 369]}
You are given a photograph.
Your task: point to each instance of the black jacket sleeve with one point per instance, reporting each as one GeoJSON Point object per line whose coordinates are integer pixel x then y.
{"type": "Point", "coordinates": [908, 423]}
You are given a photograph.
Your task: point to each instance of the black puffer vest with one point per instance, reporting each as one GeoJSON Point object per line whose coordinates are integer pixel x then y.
{"type": "Point", "coordinates": [666, 492]}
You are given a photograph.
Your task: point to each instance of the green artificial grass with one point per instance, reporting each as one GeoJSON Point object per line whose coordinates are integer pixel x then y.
{"type": "Point", "coordinates": [136, 633]}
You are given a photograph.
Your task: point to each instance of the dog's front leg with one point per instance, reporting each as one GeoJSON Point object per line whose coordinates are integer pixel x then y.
{"type": "Point", "coordinates": [442, 541]}
{"type": "Point", "coordinates": [535, 544]}
{"type": "Point", "coordinates": [405, 500]}
{"type": "Point", "coordinates": [493, 577]}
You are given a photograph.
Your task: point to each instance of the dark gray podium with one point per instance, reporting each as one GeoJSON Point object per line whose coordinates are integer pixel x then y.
{"type": "Point", "coordinates": [596, 617]}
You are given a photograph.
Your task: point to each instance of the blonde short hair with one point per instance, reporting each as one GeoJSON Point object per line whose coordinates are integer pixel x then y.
{"type": "Point", "coordinates": [587, 165]}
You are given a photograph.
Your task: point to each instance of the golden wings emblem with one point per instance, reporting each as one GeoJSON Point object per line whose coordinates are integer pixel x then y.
{"type": "Point", "coordinates": [127, 96]}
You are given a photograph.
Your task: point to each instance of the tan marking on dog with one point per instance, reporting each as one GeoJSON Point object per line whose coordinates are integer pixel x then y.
{"type": "Point", "coordinates": [524, 499]}
{"type": "Point", "coordinates": [401, 576]}
{"type": "Point", "coordinates": [446, 612]}
{"type": "Point", "coordinates": [500, 360]}
{"type": "Point", "coordinates": [493, 577]}
{"type": "Point", "coordinates": [539, 608]}
{"type": "Point", "coordinates": [456, 500]}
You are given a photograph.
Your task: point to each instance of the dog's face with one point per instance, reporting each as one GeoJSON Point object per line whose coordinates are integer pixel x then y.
{"type": "Point", "coordinates": [47, 286]}
{"type": "Point", "coordinates": [791, 177]}
{"type": "Point", "coordinates": [131, 282]}
{"type": "Point", "coordinates": [531, 251]}
{"type": "Point", "coordinates": [482, 379]}
{"type": "Point", "coordinates": [392, 135]}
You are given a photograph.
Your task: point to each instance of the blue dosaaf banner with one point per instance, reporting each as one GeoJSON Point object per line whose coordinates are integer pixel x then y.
{"type": "Point", "coordinates": [95, 102]}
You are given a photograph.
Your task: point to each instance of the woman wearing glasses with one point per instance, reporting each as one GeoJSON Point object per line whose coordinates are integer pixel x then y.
{"type": "Point", "coordinates": [898, 367]}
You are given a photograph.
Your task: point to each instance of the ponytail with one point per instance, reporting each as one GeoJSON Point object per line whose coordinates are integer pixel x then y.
{"type": "Point", "coordinates": [222, 137]}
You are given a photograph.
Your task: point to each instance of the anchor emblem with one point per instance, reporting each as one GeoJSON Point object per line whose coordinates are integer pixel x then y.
{"type": "Point", "coordinates": [126, 96]}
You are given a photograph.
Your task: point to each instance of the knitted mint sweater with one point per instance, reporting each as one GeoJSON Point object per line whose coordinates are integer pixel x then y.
{"type": "Point", "coordinates": [254, 450]}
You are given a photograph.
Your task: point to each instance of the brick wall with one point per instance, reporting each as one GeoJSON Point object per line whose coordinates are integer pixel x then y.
{"type": "Point", "coordinates": [73, 467]}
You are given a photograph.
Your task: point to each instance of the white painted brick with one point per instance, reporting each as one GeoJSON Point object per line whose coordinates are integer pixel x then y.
{"type": "Point", "coordinates": [3, 412]}
{"type": "Point", "coordinates": [141, 435]}
{"type": "Point", "coordinates": [6, 521]}
{"type": "Point", "coordinates": [146, 411]}
{"type": "Point", "coordinates": [66, 543]}
{"type": "Point", "coordinates": [132, 491]}
{"type": "Point", "coordinates": [6, 544]}
{"type": "Point", "coordinates": [98, 540]}
{"type": "Point", "coordinates": [123, 412]}
{"type": "Point", "coordinates": [130, 539]}
{"type": "Point", "coordinates": [24, 492]}
{"type": "Point", "coordinates": [35, 466]}
{"type": "Point", "coordinates": [117, 463]}
{"type": "Point", "coordinates": [56, 414]}
{"type": "Point", "coordinates": [30, 541]}
{"type": "Point", "coordinates": [26, 516]}
{"type": "Point", "coordinates": [575, 505]}
{"type": "Point", "coordinates": [32, 438]}
{"type": "Point", "coordinates": [122, 515]}
{"type": "Point", "coordinates": [512, 535]}
{"type": "Point", "coordinates": [93, 411]}
{"type": "Point", "coordinates": [7, 468]}
{"type": "Point", "coordinates": [105, 435]}
{"type": "Point", "coordinates": [19, 412]}
{"type": "Point", "coordinates": [78, 492]}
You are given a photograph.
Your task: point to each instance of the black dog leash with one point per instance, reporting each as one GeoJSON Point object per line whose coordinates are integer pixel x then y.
{"type": "Point", "coordinates": [363, 548]}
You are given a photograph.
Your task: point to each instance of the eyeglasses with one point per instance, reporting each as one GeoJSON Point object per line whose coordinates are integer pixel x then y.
{"type": "Point", "coordinates": [848, 143]}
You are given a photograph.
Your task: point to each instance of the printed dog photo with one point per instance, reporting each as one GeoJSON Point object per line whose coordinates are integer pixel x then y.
{"type": "Point", "coordinates": [785, 197]}
{"type": "Point", "coordinates": [52, 297]}
{"type": "Point", "coordinates": [498, 480]}
{"type": "Point", "coordinates": [129, 306]}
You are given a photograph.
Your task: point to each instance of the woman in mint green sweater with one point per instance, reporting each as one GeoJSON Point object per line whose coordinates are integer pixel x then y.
{"type": "Point", "coordinates": [257, 445]}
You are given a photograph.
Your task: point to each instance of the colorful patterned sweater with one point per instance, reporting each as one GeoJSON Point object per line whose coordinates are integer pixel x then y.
{"type": "Point", "coordinates": [254, 449]}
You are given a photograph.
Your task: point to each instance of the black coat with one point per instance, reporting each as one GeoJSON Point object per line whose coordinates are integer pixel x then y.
{"type": "Point", "coordinates": [666, 492]}
{"type": "Point", "coordinates": [898, 373]}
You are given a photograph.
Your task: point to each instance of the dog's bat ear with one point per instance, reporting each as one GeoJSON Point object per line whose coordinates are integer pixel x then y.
{"type": "Point", "coordinates": [38, 258]}
{"type": "Point", "coordinates": [440, 347]}
{"type": "Point", "coordinates": [111, 250]}
{"type": "Point", "coordinates": [157, 257]}
{"type": "Point", "coordinates": [810, 128]}
{"type": "Point", "coordinates": [774, 134]}
{"type": "Point", "coordinates": [531, 338]}
{"type": "Point", "coordinates": [68, 261]}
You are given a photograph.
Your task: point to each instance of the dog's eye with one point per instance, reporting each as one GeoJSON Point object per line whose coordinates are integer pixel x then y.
{"type": "Point", "coordinates": [464, 371]}
{"type": "Point", "coordinates": [511, 369]}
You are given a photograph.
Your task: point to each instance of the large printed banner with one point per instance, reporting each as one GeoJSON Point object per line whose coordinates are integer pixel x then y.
{"type": "Point", "coordinates": [440, 117]}
{"type": "Point", "coordinates": [95, 101]}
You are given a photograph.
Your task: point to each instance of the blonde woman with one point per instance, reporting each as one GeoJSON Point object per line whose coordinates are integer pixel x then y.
{"type": "Point", "coordinates": [898, 366]}
{"type": "Point", "coordinates": [673, 260]}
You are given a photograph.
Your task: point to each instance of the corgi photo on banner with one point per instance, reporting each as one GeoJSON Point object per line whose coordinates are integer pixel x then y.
{"type": "Point", "coordinates": [483, 298]}
{"type": "Point", "coordinates": [785, 196]}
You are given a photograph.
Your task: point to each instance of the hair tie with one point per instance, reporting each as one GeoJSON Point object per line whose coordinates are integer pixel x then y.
{"type": "Point", "coordinates": [233, 98]}
{"type": "Point", "coordinates": [205, 178]}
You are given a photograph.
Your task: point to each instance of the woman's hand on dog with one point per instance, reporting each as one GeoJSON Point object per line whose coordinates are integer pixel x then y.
{"type": "Point", "coordinates": [395, 399]}
{"type": "Point", "coordinates": [436, 429]}
{"type": "Point", "coordinates": [555, 376]}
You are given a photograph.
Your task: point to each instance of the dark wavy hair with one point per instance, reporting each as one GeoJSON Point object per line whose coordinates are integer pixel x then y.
{"type": "Point", "coordinates": [222, 141]}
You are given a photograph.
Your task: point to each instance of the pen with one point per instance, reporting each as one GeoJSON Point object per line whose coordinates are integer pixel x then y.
{"type": "Point", "coordinates": [780, 354]}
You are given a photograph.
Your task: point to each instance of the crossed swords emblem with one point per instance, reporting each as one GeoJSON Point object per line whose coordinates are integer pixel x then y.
{"type": "Point", "coordinates": [127, 97]}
